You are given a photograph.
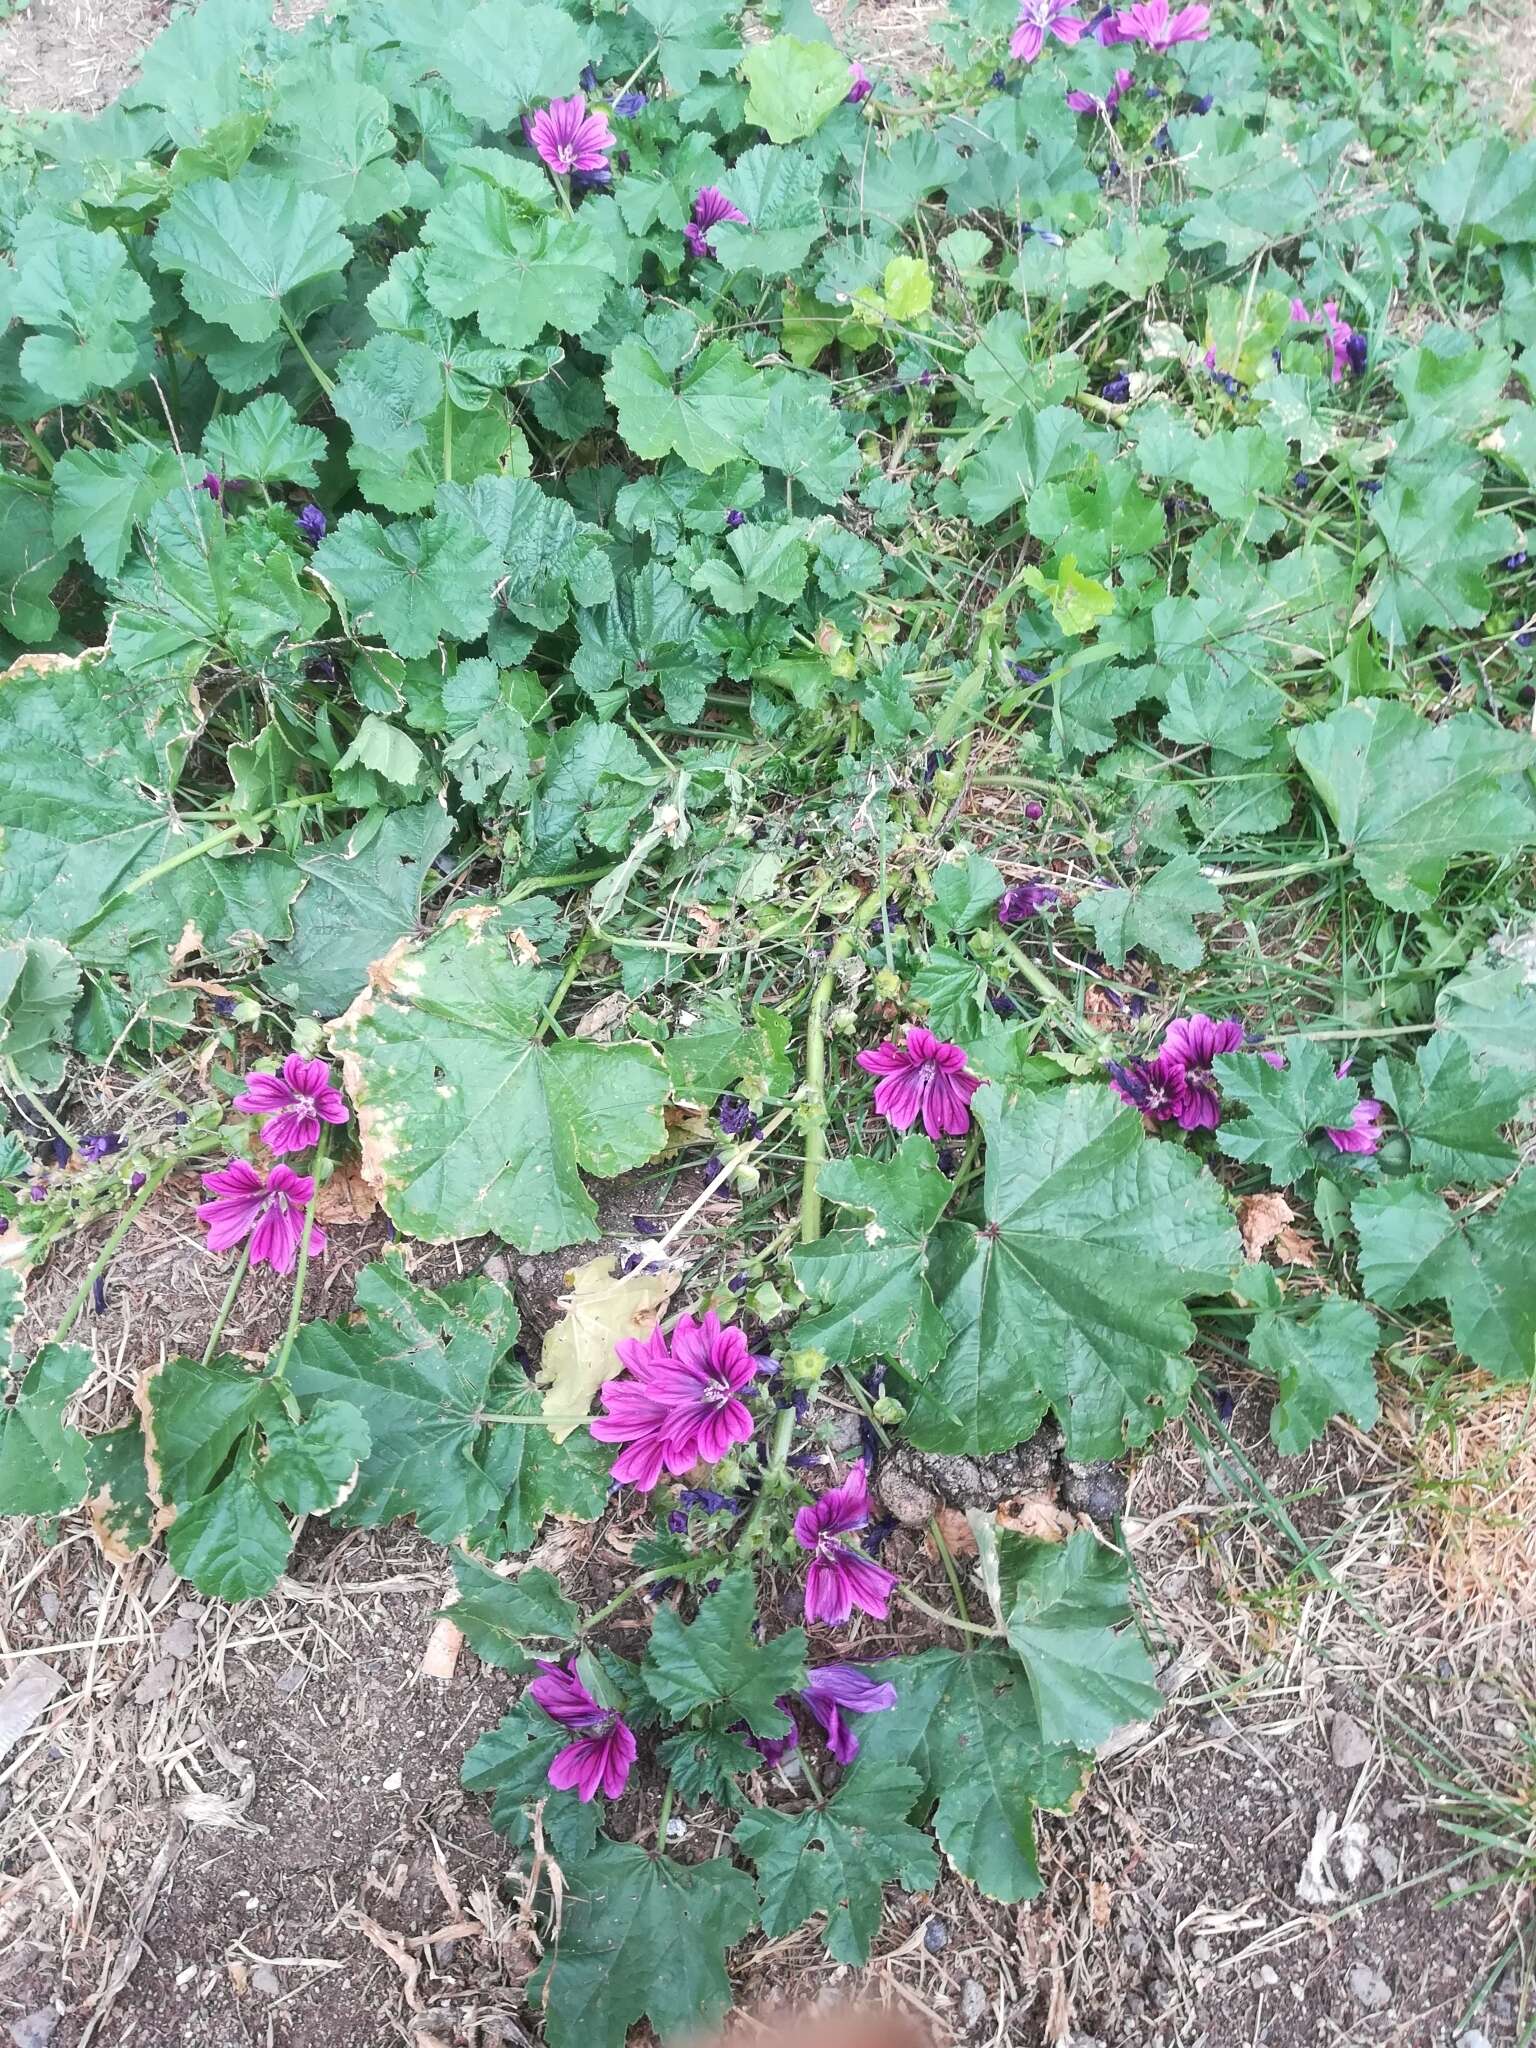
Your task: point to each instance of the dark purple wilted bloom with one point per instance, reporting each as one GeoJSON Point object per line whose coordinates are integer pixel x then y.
{"type": "Point", "coordinates": [101, 1145]}
{"type": "Point", "coordinates": [312, 524]}
{"type": "Point", "coordinates": [1151, 23]}
{"type": "Point", "coordinates": [860, 84]}
{"type": "Point", "coordinates": [323, 668]}
{"type": "Point", "coordinates": [601, 1758]}
{"type": "Point", "coordinates": [1024, 901]}
{"type": "Point", "coordinates": [266, 1208]}
{"type": "Point", "coordinates": [1025, 673]}
{"type": "Point", "coordinates": [733, 519]}
{"type": "Point", "coordinates": [62, 1151]}
{"type": "Point", "coordinates": [924, 1078]}
{"type": "Point", "coordinates": [38, 1192]}
{"type": "Point", "coordinates": [1038, 19]}
{"type": "Point", "coordinates": [734, 1115]}
{"type": "Point", "coordinates": [1034, 812]}
{"type": "Point", "coordinates": [707, 1501]}
{"type": "Point", "coordinates": [224, 1006]}
{"type": "Point", "coordinates": [136, 1181]}
{"type": "Point", "coordinates": [998, 79]}
{"type": "Point", "coordinates": [568, 138]}
{"type": "Point", "coordinates": [1148, 1085]}
{"type": "Point", "coordinates": [1116, 389]}
{"type": "Point", "coordinates": [628, 104]}
{"type": "Point", "coordinates": [841, 1578]}
{"type": "Point", "coordinates": [99, 1294]}
{"type": "Point", "coordinates": [1301, 483]}
{"type": "Point", "coordinates": [1515, 561]}
{"type": "Point", "coordinates": [588, 79]}
{"type": "Point", "coordinates": [711, 209]}
{"type": "Point", "coordinates": [212, 485]}
{"type": "Point", "coordinates": [682, 1403]}
{"type": "Point", "coordinates": [1204, 104]}
{"type": "Point", "coordinates": [1187, 1050]}
{"type": "Point", "coordinates": [838, 1689]}
{"type": "Point", "coordinates": [295, 1101]}
{"type": "Point", "coordinates": [1358, 350]}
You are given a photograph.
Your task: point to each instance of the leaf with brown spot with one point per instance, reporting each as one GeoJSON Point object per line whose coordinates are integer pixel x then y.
{"type": "Point", "coordinates": [600, 1308]}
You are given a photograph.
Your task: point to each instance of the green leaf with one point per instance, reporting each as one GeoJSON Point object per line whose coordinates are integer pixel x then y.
{"type": "Point", "coordinates": [803, 437]}
{"type": "Point", "coordinates": [534, 1475]}
{"type": "Point", "coordinates": [1235, 471]}
{"type": "Point", "coordinates": [499, 1616]}
{"type": "Point", "coordinates": [771, 562]}
{"type": "Point", "coordinates": [1008, 376]}
{"type": "Point", "coordinates": [1323, 1364]}
{"type": "Point", "coordinates": [779, 192]}
{"type": "Point", "coordinates": [101, 494]}
{"type": "Point", "coordinates": [242, 246]}
{"type": "Point", "coordinates": [39, 987]}
{"type": "Point", "coordinates": [84, 296]}
{"type": "Point", "coordinates": [1492, 1008]}
{"type": "Point", "coordinates": [1129, 256]}
{"type": "Point", "coordinates": [713, 1661]}
{"type": "Point", "coordinates": [1070, 1296]}
{"type": "Point", "coordinates": [502, 60]}
{"type": "Point", "coordinates": [1408, 796]}
{"type": "Point", "coordinates": [517, 271]}
{"type": "Point", "coordinates": [362, 892]}
{"type": "Point", "coordinates": [694, 37]}
{"type": "Point", "coordinates": [42, 1457]}
{"type": "Point", "coordinates": [466, 1112]}
{"type": "Point", "coordinates": [418, 1365]}
{"type": "Point", "coordinates": [414, 580]}
{"type": "Point", "coordinates": [550, 559]}
{"type": "Point", "coordinates": [263, 443]}
{"type": "Point", "coordinates": [205, 584]}
{"type": "Point", "coordinates": [1437, 550]}
{"type": "Point", "coordinates": [836, 1859]}
{"type": "Point", "coordinates": [1031, 450]}
{"type": "Point", "coordinates": [233, 1541]}
{"type": "Point", "coordinates": [964, 892]}
{"type": "Point", "coordinates": [792, 86]}
{"type": "Point", "coordinates": [871, 1283]}
{"type": "Point", "coordinates": [122, 1512]}
{"type": "Point", "coordinates": [1157, 915]}
{"type": "Point", "coordinates": [1450, 1113]}
{"type": "Point", "coordinates": [595, 779]}
{"type": "Point", "coordinates": [1063, 1604]}
{"type": "Point", "coordinates": [332, 138]}
{"type": "Point", "coordinates": [966, 1724]}
{"type": "Point", "coordinates": [32, 560]}
{"type": "Point", "coordinates": [705, 416]}
{"type": "Point", "coordinates": [1286, 1106]}
{"type": "Point", "coordinates": [1414, 1249]}
{"type": "Point", "coordinates": [641, 1936]}
{"type": "Point", "coordinates": [718, 1050]}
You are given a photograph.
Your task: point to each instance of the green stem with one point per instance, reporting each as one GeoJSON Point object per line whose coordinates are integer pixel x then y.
{"type": "Point", "coordinates": [1048, 992]}
{"type": "Point", "coordinates": [21, 1092]}
{"type": "Point", "coordinates": [662, 1819]}
{"type": "Point", "coordinates": [1289, 872]}
{"type": "Point", "coordinates": [563, 987]}
{"type": "Point", "coordinates": [639, 71]}
{"type": "Point", "coordinates": [971, 1628]}
{"type": "Point", "coordinates": [447, 439]}
{"type": "Point", "coordinates": [619, 1599]}
{"type": "Point", "coordinates": [297, 1304]}
{"type": "Point", "coordinates": [125, 1222]}
{"type": "Point", "coordinates": [310, 364]}
{"type": "Point", "coordinates": [227, 1303]}
{"type": "Point", "coordinates": [778, 1452]}
{"type": "Point", "coordinates": [955, 712]}
{"type": "Point", "coordinates": [815, 1091]}
{"type": "Point", "coordinates": [35, 442]}
{"type": "Point", "coordinates": [946, 1558]}
{"type": "Point", "coordinates": [811, 1778]}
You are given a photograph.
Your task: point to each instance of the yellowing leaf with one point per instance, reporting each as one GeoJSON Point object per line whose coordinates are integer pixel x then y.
{"type": "Point", "coordinates": [601, 1308]}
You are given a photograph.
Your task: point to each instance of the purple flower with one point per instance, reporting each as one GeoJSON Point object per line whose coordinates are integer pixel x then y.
{"type": "Point", "coordinates": [1090, 103]}
{"type": "Point", "coordinates": [681, 1405]}
{"type": "Point", "coordinates": [600, 1760]}
{"type": "Point", "coordinates": [1116, 389]}
{"type": "Point", "coordinates": [100, 1145]}
{"type": "Point", "coordinates": [1151, 23]}
{"type": "Point", "coordinates": [1350, 350]}
{"type": "Point", "coordinates": [38, 1192]}
{"type": "Point", "coordinates": [312, 524]}
{"type": "Point", "coordinates": [568, 138]}
{"type": "Point", "coordinates": [838, 1689]}
{"type": "Point", "coordinates": [1148, 1085]}
{"type": "Point", "coordinates": [1363, 1133]}
{"type": "Point", "coordinates": [212, 486]}
{"type": "Point", "coordinates": [1034, 812]}
{"type": "Point", "coordinates": [1037, 19]}
{"type": "Point", "coordinates": [733, 519]}
{"type": "Point", "coordinates": [266, 1208]}
{"type": "Point", "coordinates": [734, 1115]}
{"type": "Point", "coordinates": [1187, 1050]}
{"type": "Point", "coordinates": [860, 84]}
{"type": "Point", "coordinates": [1024, 901]}
{"type": "Point", "coordinates": [841, 1578]}
{"type": "Point", "coordinates": [136, 1181]}
{"type": "Point", "coordinates": [924, 1078]}
{"type": "Point", "coordinates": [628, 104]}
{"type": "Point", "coordinates": [296, 1101]}
{"type": "Point", "coordinates": [1358, 350]}
{"type": "Point", "coordinates": [711, 209]}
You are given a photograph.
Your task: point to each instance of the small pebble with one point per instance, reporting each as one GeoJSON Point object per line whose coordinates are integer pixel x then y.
{"type": "Point", "coordinates": [1349, 1742]}
{"type": "Point", "coordinates": [935, 1937]}
{"type": "Point", "coordinates": [1369, 1988]}
{"type": "Point", "coordinates": [973, 2004]}
{"type": "Point", "coordinates": [36, 2029]}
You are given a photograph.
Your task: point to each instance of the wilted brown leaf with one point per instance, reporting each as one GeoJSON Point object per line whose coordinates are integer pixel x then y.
{"type": "Point", "coordinates": [1260, 1219]}
{"type": "Point", "coordinates": [956, 1531]}
{"type": "Point", "coordinates": [600, 1307]}
{"type": "Point", "coordinates": [345, 1198]}
{"type": "Point", "coordinates": [1039, 1515]}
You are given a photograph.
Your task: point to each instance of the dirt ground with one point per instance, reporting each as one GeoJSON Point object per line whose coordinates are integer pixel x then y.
{"type": "Point", "coordinates": [245, 1826]}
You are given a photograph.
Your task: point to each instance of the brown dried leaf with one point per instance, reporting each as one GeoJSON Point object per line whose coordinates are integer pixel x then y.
{"type": "Point", "coordinates": [1260, 1219]}
{"type": "Point", "coordinates": [1296, 1250]}
{"type": "Point", "coordinates": [345, 1198]}
{"type": "Point", "coordinates": [956, 1531]}
{"type": "Point", "coordinates": [1039, 1515]}
{"type": "Point", "coordinates": [601, 1308]}
{"type": "Point", "coordinates": [601, 1020]}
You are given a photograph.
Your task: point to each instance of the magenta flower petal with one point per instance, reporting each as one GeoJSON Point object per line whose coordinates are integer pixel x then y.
{"type": "Point", "coordinates": [1188, 1048]}
{"type": "Point", "coordinates": [1151, 23]}
{"type": "Point", "coordinates": [559, 1691]}
{"type": "Point", "coordinates": [268, 1209]}
{"type": "Point", "coordinates": [681, 1406]}
{"type": "Point", "coordinates": [924, 1078]}
{"type": "Point", "coordinates": [1039, 18]}
{"type": "Point", "coordinates": [837, 1690]}
{"type": "Point", "coordinates": [568, 138]}
{"type": "Point", "coordinates": [595, 1763]}
{"type": "Point", "coordinates": [1363, 1133]}
{"type": "Point", "coordinates": [295, 1101]}
{"type": "Point", "coordinates": [711, 207]}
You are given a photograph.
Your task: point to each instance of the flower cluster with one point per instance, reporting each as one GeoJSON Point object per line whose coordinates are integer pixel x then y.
{"type": "Point", "coordinates": [268, 1208]}
{"type": "Point", "coordinates": [1177, 1084]}
{"type": "Point", "coordinates": [1350, 350]}
{"type": "Point", "coordinates": [924, 1078]}
{"type": "Point", "coordinates": [1150, 23]}
{"type": "Point", "coordinates": [681, 1405]}
{"type": "Point", "coordinates": [601, 1757]}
